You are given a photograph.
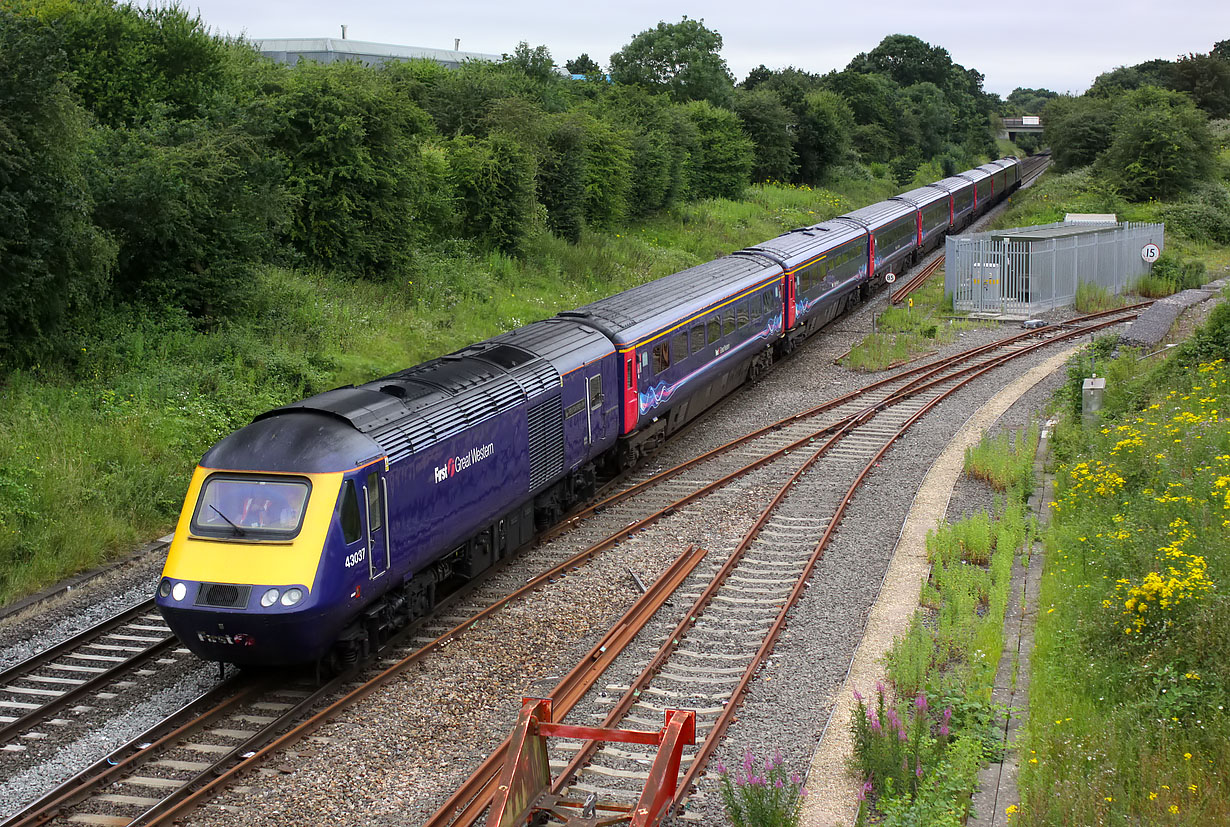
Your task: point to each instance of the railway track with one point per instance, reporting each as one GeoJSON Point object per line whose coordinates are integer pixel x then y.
{"type": "Point", "coordinates": [94, 666]}
{"type": "Point", "coordinates": [725, 636]}
{"type": "Point", "coordinates": [158, 776]}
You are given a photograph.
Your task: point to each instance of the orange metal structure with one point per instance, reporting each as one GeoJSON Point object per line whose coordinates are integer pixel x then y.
{"type": "Point", "coordinates": [523, 793]}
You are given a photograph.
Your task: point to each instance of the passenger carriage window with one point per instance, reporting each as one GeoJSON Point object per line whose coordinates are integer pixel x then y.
{"type": "Point", "coordinates": [698, 338]}
{"type": "Point", "coordinates": [728, 322]}
{"type": "Point", "coordinates": [679, 347]}
{"type": "Point", "coordinates": [715, 329]}
{"type": "Point", "coordinates": [741, 317]}
{"type": "Point", "coordinates": [768, 299]}
{"type": "Point", "coordinates": [373, 503]}
{"type": "Point", "coordinates": [661, 357]}
{"type": "Point", "coordinates": [350, 513]}
{"type": "Point", "coordinates": [595, 391]}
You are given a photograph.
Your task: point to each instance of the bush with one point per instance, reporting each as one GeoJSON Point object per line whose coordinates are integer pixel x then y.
{"type": "Point", "coordinates": [494, 181]}
{"type": "Point", "coordinates": [53, 261]}
{"type": "Point", "coordinates": [351, 139]}
{"type": "Point", "coordinates": [192, 206]}
{"type": "Point", "coordinates": [721, 162]}
{"type": "Point", "coordinates": [1161, 145]}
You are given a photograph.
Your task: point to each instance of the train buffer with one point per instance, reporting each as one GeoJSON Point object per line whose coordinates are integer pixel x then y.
{"type": "Point", "coordinates": [525, 795]}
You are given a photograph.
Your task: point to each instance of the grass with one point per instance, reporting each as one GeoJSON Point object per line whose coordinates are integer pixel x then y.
{"type": "Point", "coordinates": [1094, 298]}
{"type": "Point", "coordinates": [1131, 670]}
{"type": "Point", "coordinates": [98, 449]}
{"type": "Point", "coordinates": [940, 728]}
{"type": "Point", "coordinates": [905, 332]}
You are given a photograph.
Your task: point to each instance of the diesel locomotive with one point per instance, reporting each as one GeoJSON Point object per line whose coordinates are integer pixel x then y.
{"type": "Point", "coordinates": [315, 532]}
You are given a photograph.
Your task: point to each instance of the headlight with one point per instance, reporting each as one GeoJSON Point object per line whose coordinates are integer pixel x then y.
{"type": "Point", "coordinates": [164, 588]}
{"type": "Point", "coordinates": [292, 597]}
{"type": "Point", "coordinates": [179, 591]}
{"type": "Point", "coordinates": [269, 598]}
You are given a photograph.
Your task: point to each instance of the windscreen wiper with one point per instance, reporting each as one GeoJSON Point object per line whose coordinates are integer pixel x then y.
{"type": "Point", "coordinates": [238, 531]}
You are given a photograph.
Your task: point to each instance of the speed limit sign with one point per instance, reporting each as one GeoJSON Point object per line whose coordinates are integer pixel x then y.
{"type": "Point", "coordinates": [1150, 252]}
{"type": "Point", "coordinates": [890, 278]}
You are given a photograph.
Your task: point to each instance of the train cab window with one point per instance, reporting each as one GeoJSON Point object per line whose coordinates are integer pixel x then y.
{"type": "Point", "coordinates": [728, 322]}
{"type": "Point", "coordinates": [350, 513]}
{"type": "Point", "coordinates": [679, 347]}
{"type": "Point", "coordinates": [373, 503]}
{"type": "Point", "coordinates": [661, 357]}
{"type": "Point", "coordinates": [698, 338]}
{"type": "Point", "coordinates": [244, 507]}
{"type": "Point", "coordinates": [741, 316]}
{"type": "Point", "coordinates": [715, 329]}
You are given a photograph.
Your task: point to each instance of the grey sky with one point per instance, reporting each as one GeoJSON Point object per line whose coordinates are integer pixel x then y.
{"type": "Point", "coordinates": [1056, 44]}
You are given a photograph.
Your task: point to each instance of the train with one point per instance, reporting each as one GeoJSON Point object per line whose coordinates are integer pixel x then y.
{"type": "Point", "coordinates": [314, 533]}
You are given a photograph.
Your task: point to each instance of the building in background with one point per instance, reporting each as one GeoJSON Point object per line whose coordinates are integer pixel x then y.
{"type": "Point", "coordinates": [335, 50]}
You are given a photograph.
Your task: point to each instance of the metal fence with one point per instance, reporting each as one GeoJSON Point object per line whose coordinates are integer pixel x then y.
{"type": "Point", "coordinates": [1028, 270]}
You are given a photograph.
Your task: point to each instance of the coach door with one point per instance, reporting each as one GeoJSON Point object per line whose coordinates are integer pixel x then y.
{"type": "Point", "coordinates": [375, 496]}
{"type": "Point", "coordinates": [593, 408]}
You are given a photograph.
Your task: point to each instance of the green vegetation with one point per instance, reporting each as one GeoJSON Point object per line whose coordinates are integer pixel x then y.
{"type": "Point", "coordinates": [1094, 298]}
{"type": "Point", "coordinates": [919, 755]}
{"type": "Point", "coordinates": [1130, 683]}
{"type": "Point", "coordinates": [761, 795]}
{"type": "Point", "coordinates": [905, 332]}
{"type": "Point", "coordinates": [149, 163]}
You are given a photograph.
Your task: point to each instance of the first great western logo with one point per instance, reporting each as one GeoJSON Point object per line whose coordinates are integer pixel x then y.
{"type": "Point", "coordinates": [463, 461]}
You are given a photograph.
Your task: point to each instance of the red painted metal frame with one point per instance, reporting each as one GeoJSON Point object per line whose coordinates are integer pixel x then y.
{"type": "Point", "coordinates": [524, 784]}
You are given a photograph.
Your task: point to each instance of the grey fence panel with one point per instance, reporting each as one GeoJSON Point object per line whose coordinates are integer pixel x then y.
{"type": "Point", "coordinates": [1039, 271]}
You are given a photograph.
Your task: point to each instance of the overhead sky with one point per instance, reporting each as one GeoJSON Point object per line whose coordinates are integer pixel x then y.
{"type": "Point", "coordinates": [1056, 44]}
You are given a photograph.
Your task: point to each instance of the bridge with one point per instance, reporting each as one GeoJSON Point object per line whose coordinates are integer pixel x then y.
{"type": "Point", "coordinates": [1012, 126]}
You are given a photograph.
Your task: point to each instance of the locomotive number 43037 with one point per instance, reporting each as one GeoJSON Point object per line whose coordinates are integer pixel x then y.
{"type": "Point", "coordinates": [356, 558]}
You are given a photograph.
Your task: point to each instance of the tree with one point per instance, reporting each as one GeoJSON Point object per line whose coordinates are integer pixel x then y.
{"type": "Point", "coordinates": [1206, 79]}
{"type": "Point", "coordinates": [535, 63]}
{"type": "Point", "coordinates": [722, 158]}
{"type": "Point", "coordinates": [1221, 50]}
{"type": "Point", "coordinates": [772, 128]}
{"type": "Point", "coordinates": [583, 64]}
{"type": "Point", "coordinates": [1078, 130]}
{"type": "Point", "coordinates": [1162, 145]}
{"type": "Point", "coordinates": [1127, 78]}
{"type": "Point", "coordinates": [130, 61]}
{"type": "Point", "coordinates": [681, 59]}
{"type": "Point", "coordinates": [907, 60]}
{"type": "Point", "coordinates": [52, 258]}
{"type": "Point", "coordinates": [1030, 101]}
{"type": "Point", "coordinates": [824, 134]}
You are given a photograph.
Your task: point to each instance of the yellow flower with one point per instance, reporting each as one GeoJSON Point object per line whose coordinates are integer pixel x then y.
{"type": "Point", "coordinates": [1187, 756]}
{"type": "Point", "coordinates": [1153, 796]}
{"type": "Point", "coordinates": [1174, 809]}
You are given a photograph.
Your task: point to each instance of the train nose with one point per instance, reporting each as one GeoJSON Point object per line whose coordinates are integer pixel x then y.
{"type": "Point", "coordinates": [243, 624]}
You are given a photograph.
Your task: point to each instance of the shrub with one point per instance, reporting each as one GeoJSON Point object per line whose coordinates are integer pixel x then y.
{"type": "Point", "coordinates": [53, 261]}
{"type": "Point", "coordinates": [721, 162]}
{"type": "Point", "coordinates": [762, 797]}
{"type": "Point", "coordinates": [191, 204]}
{"type": "Point", "coordinates": [494, 181]}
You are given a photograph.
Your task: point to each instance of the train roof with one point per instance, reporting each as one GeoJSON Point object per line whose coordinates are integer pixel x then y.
{"type": "Point", "coordinates": [880, 214]}
{"type": "Point", "coordinates": [974, 175]}
{"type": "Point", "coordinates": [300, 442]}
{"type": "Point", "coordinates": [567, 344]}
{"type": "Point", "coordinates": [635, 314]}
{"type": "Point", "coordinates": [923, 196]}
{"type": "Point", "coordinates": [797, 246]}
{"type": "Point", "coordinates": [412, 409]}
{"type": "Point", "coordinates": [954, 184]}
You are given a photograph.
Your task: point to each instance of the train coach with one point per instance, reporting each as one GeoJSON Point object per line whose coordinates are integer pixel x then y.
{"type": "Point", "coordinates": [318, 530]}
